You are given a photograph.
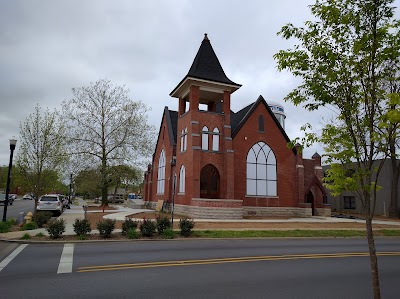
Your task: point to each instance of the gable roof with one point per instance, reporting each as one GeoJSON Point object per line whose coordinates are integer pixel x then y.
{"type": "Point", "coordinates": [206, 66]}
{"type": "Point", "coordinates": [237, 117]}
{"type": "Point", "coordinates": [172, 123]}
{"type": "Point", "coordinates": [317, 182]}
{"type": "Point", "coordinates": [240, 118]}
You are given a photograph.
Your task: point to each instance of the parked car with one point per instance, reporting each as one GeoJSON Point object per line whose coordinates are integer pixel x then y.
{"type": "Point", "coordinates": [3, 199]}
{"type": "Point", "coordinates": [51, 202]}
{"type": "Point", "coordinates": [27, 196]}
{"type": "Point", "coordinates": [13, 196]}
{"type": "Point", "coordinates": [119, 198]}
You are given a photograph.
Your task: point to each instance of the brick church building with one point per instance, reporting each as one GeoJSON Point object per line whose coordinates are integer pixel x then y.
{"type": "Point", "coordinates": [210, 162]}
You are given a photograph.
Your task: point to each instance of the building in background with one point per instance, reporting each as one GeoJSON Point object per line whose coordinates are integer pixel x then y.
{"type": "Point", "coordinates": [347, 202]}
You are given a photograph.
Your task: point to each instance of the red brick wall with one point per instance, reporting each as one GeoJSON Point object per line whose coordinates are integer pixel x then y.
{"type": "Point", "coordinates": [312, 168]}
{"type": "Point", "coordinates": [286, 161]}
{"type": "Point", "coordinates": [290, 186]}
{"type": "Point", "coordinates": [195, 158]}
{"type": "Point", "coordinates": [163, 142]}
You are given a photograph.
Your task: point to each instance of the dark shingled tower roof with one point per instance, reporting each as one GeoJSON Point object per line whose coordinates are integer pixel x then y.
{"type": "Point", "coordinates": [206, 66]}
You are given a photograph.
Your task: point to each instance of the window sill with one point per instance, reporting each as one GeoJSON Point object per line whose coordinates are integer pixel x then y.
{"type": "Point", "coordinates": [263, 196]}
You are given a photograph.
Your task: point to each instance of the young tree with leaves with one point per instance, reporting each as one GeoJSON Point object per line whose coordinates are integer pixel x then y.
{"type": "Point", "coordinates": [41, 153]}
{"type": "Point", "coordinates": [342, 61]}
{"type": "Point", "coordinates": [88, 182]}
{"type": "Point", "coordinates": [107, 128]}
{"type": "Point", "coordinates": [391, 121]}
{"type": "Point", "coordinates": [124, 175]}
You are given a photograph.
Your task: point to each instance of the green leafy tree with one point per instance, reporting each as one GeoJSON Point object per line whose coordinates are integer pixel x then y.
{"type": "Point", "coordinates": [124, 176]}
{"type": "Point", "coordinates": [391, 124]}
{"type": "Point", "coordinates": [107, 128]}
{"type": "Point", "coordinates": [41, 153]}
{"type": "Point", "coordinates": [342, 58]}
{"type": "Point", "coordinates": [88, 183]}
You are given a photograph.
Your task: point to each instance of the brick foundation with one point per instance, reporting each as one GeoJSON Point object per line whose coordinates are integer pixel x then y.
{"type": "Point", "coordinates": [324, 212]}
{"type": "Point", "coordinates": [232, 209]}
{"type": "Point", "coordinates": [277, 211]}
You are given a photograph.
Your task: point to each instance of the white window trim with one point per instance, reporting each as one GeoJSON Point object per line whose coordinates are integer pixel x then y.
{"type": "Point", "coordinates": [161, 173]}
{"type": "Point", "coordinates": [265, 150]}
{"type": "Point", "coordinates": [182, 176]}
{"type": "Point", "coordinates": [204, 138]}
{"type": "Point", "coordinates": [215, 140]}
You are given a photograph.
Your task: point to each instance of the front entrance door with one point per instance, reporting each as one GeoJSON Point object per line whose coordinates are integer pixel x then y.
{"type": "Point", "coordinates": [209, 182]}
{"type": "Point", "coordinates": [310, 199]}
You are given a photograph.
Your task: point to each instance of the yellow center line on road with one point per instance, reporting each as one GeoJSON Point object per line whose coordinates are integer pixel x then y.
{"type": "Point", "coordinates": [229, 260]}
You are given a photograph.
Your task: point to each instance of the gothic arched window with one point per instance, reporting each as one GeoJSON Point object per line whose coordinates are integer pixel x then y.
{"type": "Point", "coordinates": [161, 173]}
{"type": "Point", "coordinates": [184, 139]}
{"type": "Point", "coordinates": [182, 179]}
{"type": "Point", "coordinates": [204, 138]}
{"type": "Point", "coordinates": [261, 175]}
{"type": "Point", "coordinates": [215, 139]}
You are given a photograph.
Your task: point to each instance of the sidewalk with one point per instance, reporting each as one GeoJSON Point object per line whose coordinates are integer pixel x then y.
{"type": "Point", "coordinates": [77, 211]}
{"type": "Point", "coordinates": [69, 217]}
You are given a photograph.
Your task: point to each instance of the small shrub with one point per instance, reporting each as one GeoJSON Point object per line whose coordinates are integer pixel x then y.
{"type": "Point", "coordinates": [12, 221]}
{"type": "Point", "coordinates": [168, 233]}
{"type": "Point", "coordinates": [42, 217]}
{"type": "Point", "coordinates": [186, 226]}
{"type": "Point", "coordinates": [40, 235]}
{"type": "Point", "coordinates": [106, 227]}
{"type": "Point", "coordinates": [26, 236]}
{"type": "Point", "coordinates": [5, 227]}
{"type": "Point", "coordinates": [56, 229]}
{"type": "Point", "coordinates": [128, 224]}
{"type": "Point", "coordinates": [148, 228]}
{"type": "Point", "coordinates": [30, 226]}
{"type": "Point", "coordinates": [82, 237]}
{"type": "Point", "coordinates": [132, 234]}
{"type": "Point", "coordinates": [82, 227]}
{"type": "Point", "coordinates": [163, 223]}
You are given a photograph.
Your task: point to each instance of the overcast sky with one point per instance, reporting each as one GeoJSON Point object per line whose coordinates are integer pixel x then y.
{"type": "Point", "coordinates": [49, 47]}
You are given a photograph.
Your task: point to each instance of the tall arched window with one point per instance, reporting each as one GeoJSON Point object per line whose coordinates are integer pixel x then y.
{"type": "Point", "coordinates": [215, 143]}
{"type": "Point", "coordinates": [182, 179]}
{"type": "Point", "coordinates": [182, 141]}
{"type": "Point", "coordinates": [261, 176]}
{"type": "Point", "coordinates": [161, 173]}
{"type": "Point", "coordinates": [261, 123]}
{"type": "Point", "coordinates": [204, 138]}
{"type": "Point", "coordinates": [185, 139]}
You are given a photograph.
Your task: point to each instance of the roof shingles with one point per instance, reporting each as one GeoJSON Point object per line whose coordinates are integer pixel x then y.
{"type": "Point", "coordinates": [206, 65]}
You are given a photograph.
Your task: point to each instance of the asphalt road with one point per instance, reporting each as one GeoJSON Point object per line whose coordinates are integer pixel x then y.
{"type": "Point", "coordinates": [262, 268]}
{"type": "Point", "coordinates": [18, 206]}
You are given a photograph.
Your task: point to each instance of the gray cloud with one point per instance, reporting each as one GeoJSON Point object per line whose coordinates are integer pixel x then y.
{"type": "Point", "coordinates": [48, 47]}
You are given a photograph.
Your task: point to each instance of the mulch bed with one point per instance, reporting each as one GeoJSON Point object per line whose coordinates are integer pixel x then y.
{"type": "Point", "coordinates": [96, 217]}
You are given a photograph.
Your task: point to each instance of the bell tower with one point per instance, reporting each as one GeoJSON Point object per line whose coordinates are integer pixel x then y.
{"type": "Point", "coordinates": [204, 140]}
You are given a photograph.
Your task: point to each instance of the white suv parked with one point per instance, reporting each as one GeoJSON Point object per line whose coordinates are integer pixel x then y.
{"type": "Point", "coordinates": [50, 202]}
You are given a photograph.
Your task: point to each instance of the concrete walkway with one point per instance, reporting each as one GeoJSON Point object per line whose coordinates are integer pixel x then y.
{"type": "Point", "coordinates": [77, 211]}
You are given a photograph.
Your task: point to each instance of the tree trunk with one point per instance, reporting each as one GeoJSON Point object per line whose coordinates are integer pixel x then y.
{"type": "Point", "coordinates": [373, 259]}
{"type": "Point", "coordinates": [104, 187]}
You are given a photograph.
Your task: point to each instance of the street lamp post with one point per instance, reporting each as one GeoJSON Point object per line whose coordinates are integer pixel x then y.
{"type": "Point", "coordinates": [13, 142]}
{"type": "Point", "coordinates": [70, 189]}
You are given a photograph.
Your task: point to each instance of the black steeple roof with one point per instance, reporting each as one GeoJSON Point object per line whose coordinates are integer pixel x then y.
{"type": "Point", "coordinates": [206, 65]}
